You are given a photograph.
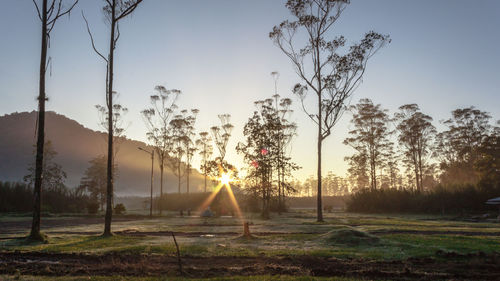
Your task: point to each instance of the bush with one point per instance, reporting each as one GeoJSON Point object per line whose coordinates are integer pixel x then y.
{"type": "Point", "coordinates": [120, 209]}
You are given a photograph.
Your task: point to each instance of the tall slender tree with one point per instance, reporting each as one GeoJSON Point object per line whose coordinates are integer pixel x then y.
{"type": "Point", "coordinates": [189, 143]}
{"type": "Point", "coordinates": [48, 13]}
{"type": "Point", "coordinates": [119, 128]}
{"type": "Point", "coordinates": [114, 11]}
{"type": "Point", "coordinates": [221, 135]}
{"type": "Point", "coordinates": [333, 77]}
{"type": "Point", "coordinates": [182, 129]}
{"type": "Point", "coordinates": [157, 119]}
{"type": "Point", "coordinates": [416, 134]}
{"type": "Point", "coordinates": [205, 149]}
{"type": "Point", "coordinates": [370, 136]}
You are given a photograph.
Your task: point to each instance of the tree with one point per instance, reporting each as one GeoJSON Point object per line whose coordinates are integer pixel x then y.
{"type": "Point", "coordinates": [53, 175]}
{"type": "Point", "coordinates": [334, 76]}
{"type": "Point", "coordinates": [206, 150]}
{"type": "Point", "coordinates": [489, 160]}
{"type": "Point", "coordinates": [189, 144]}
{"type": "Point", "coordinates": [260, 142]}
{"type": "Point", "coordinates": [263, 150]}
{"type": "Point", "coordinates": [114, 11]}
{"type": "Point", "coordinates": [48, 15]}
{"type": "Point", "coordinates": [392, 168]}
{"type": "Point", "coordinates": [415, 137]}
{"type": "Point", "coordinates": [182, 129]}
{"type": "Point", "coordinates": [285, 131]}
{"type": "Point", "coordinates": [457, 147]}
{"type": "Point", "coordinates": [94, 180]}
{"type": "Point", "coordinates": [118, 127]}
{"type": "Point", "coordinates": [157, 119]}
{"type": "Point", "coordinates": [370, 137]}
{"type": "Point", "coordinates": [358, 170]}
{"type": "Point", "coordinates": [221, 135]}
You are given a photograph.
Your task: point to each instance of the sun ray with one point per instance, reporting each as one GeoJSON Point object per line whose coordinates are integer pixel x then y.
{"type": "Point", "coordinates": [209, 200]}
{"type": "Point", "coordinates": [233, 200]}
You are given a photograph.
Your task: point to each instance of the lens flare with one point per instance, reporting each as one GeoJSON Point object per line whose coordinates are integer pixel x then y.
{"type": "Point", "coordinates": [225, 179]}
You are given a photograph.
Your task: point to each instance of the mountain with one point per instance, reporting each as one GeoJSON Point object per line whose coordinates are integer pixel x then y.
{"type": "Point", "coordinates": [76, 146]}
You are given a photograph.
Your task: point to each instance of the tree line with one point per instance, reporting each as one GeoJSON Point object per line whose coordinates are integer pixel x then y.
{"type": "Point", "coordinates": [405, 151]}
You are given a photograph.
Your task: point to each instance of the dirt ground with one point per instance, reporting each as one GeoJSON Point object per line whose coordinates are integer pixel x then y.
{"type": "Point", "coordinates": [406, 248]}
{"type": "Point", "coordinates": [477, 266]}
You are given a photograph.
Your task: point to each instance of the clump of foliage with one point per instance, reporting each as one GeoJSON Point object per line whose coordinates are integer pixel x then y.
{"type": "Point", "coordinates": [119, 209]}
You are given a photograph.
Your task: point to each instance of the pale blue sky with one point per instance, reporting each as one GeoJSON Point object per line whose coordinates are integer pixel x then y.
{"type": "Point", "coordinates": [443, 55]}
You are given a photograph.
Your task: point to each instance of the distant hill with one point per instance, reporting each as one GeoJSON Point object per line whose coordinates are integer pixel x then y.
{"type": "Point", "coordinates": [76, 146]}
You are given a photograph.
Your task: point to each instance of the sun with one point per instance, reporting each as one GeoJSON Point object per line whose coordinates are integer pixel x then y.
{"type": "Point", "coordinates": [225, 179]}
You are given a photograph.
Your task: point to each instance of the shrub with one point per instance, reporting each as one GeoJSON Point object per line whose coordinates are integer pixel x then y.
{"type": "Point", "coordinates": [120, 209]}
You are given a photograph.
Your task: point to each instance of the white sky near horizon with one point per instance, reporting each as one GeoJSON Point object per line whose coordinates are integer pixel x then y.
{"type": "Point", "coordinates": [443, 55]}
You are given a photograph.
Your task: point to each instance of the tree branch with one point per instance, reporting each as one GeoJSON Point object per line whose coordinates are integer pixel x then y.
{"type": "Point", "coordinates": [129, 10]}
{"type": "Point", "coordinates": [37, 10]}
{"type": "Point", "coordinates": [92, 39]}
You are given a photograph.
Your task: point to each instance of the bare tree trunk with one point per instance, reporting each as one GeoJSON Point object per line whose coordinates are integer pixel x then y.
{"type": "Point", "coordinates": [320, 142]}
{"type": "Point", "coordinates": [421, 187]}
{"type": "Point", "coordinates": [109, 187]}
{"type": "Point", "coordinates": [35, 226]}
{"type": "Point", "coordinates": [187, 177]}
{"type": "Point", "coordinates": [417, 178]}
{"type": "Point", "coordinates": [161, 185]}
{"type": "Point", "coordinates": [179, 176]}
{"type": "Point", "coordinates": [152, 175]}
{"type": "Point", "coordinates": [319, 202]}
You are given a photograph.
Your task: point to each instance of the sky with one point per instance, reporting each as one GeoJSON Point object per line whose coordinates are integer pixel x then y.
{"type": "Point", "coordinates": [443, 55]}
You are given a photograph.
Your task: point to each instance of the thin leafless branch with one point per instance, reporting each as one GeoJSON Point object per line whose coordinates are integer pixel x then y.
{"type": "Point", "coordinates": [92, 39]}
{"type": "Point", "coordinates": [37, 10]}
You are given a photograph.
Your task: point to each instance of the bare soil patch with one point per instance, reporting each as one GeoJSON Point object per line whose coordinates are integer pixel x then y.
{"type": "Point", "coordinates": [477, 266]}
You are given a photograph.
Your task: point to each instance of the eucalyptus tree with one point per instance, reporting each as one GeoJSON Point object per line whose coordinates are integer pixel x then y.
{"type": "Point", "coordinates": [259, 150]}
{"type": "Point", "coordinates": [331, 74]}
{"type": "Point", "coordinates": [264, 150]}
{"type": "Point", "coordinates": [370, 136]}
{"type": "Point", "coordinates": [416, 134]}
{"type": "Point", "coordinates": [49, 12]}
{"type": "Point", "coordinates": [119, 128]}
{"type": "Point", "coordinates": [205, 150]}
{"type": "Point", "coordinates": [457, 147]}
{"type": "Point", "coordinates": [157, 119]}
{"type": "Point", "coordinates": [189, 143]}
{"type": "Point", "coordinates": [220, 136]}
{"type": "Point", "coordinates": [182, 130]}
{"type": "Point", "coordinates": [285, 132]}
{"type": "Point", "coordinates": [114, 11]}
